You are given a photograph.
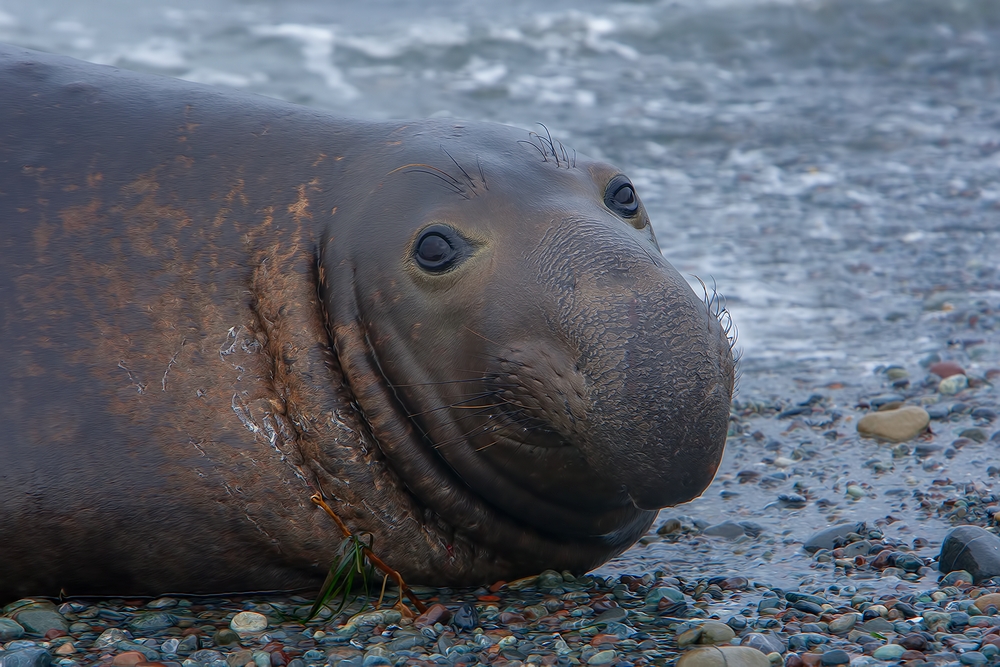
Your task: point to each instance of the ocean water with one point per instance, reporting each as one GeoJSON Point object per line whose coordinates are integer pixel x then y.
{"type": "Point", "coordinates": [832, 167]}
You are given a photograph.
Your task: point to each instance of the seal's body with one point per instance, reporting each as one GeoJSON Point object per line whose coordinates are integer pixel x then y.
{"type": "Point", "coordinates": [213, 305]}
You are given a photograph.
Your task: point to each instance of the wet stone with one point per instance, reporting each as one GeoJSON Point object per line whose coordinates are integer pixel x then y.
{"type": "Point", "coordinates": [832, 537]}
{"type": "Point", "coordinates": [945, 369]}
{"type": "Point", "coordinates": [897, 425]}
{"type": "Point", "coordinates": [34, 656]}
{"type": "Point", "coordinates": [976, 434]}
{"type": "Point", "coordinates": [248, 622]}
{"type": "Point", "coordinates": [889, 652]}
{"type": "Point", "coordinates": [953, 384]}
{"type": "Point", "coordinates": [151, 622]}
{"type": "Point", "coordinates": [714, 632]}
{"type": "Point", "coordinates": [939, 411]}
{"type": "Point", "coordinates": [110, 638]}
{"type": "Point", "coordinates": [972, 549]}
{"type": "Point", "coordinates": [602, 658]}
{"type": "Point", "coordinates": [10, 630]}
{"type": "Point", "coordinates": [241, 658]}
{"type": "Point", "coordinates": [724, 656]}
{"type": "Point", "coordinates": [763, 642]}
{"type": "Point", "coordinates": [844, 623]}
{"type": "Point", "coordinates": [549, 580]}
{"type": "Point", "coordinates": [188, 644]}
{"type": "Point", "coordinates": [729, 530]}
{"type": "Point", "coordinates": [39, 617]}
{"type": "Point", "coordinates": [986, 414]}
{"type": "Point", "coordinates": [835, 657]}
{"type": "Point", "coordinates": [466, 618]}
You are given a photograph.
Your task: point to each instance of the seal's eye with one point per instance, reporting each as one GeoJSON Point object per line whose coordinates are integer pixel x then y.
{"type": "Point", "coordinates": [620, 197]}
{"type": "Point", "coordinates": [437, 249]}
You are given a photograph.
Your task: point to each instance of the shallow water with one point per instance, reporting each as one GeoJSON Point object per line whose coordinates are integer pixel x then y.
{"type": "Point", "coordinates": [833, 167]}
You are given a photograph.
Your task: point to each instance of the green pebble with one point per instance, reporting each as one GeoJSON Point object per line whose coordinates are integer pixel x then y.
{"type": "Point", "coordinates": [602, 658]}
{"type": "Point", "coordinates": [889, 652]}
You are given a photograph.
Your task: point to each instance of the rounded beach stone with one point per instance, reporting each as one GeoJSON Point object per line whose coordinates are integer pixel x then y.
{"type": "Point", "coordinates": [972, 549]}
{"type": "Point", "coordinates": [10, 630]}
{"type": "Point", "coordinates": [724, 656]}
{"type": "Point", "coordinates": [946, 369]}
{"type": "Point", "coordinates": [714, 632]}
{"type": "Point", "coordinates": [953, 385]}
{"type": "Point", "coordinates": [889, 652]}
{"type": "Point", "coordinates": [897, 425]}
{"type": "Point", "coordinates": [248, 622]}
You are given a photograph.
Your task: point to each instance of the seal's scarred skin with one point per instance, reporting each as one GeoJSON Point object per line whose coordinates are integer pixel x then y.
{"type": "Point", "coordinates": [213, 305]}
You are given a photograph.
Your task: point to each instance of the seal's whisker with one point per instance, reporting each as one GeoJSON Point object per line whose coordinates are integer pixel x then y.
{"type": "Point", "coordinates": [450, 181]}
{"type": "Point", "coordinates": [482, 174]}
{"type": "Point", "coordinates": [475, 397]}
{"type": "Point", "coordinates": [535, 146]}
{"type": "Point", "coordinates": [472, 183]}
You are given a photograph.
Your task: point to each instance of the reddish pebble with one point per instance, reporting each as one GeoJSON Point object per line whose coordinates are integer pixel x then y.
{"type": "Point", "coordinates": [734, 584]}
{"type": "Point", "coordinates": [810, 659]}
{"type": "Point", "coordinates": [128, 659]}
{"type": "Point", "coordinates": [497, 586]}
{"type": "Point", "coordinates": [911, 655]}
{"type": "Point", "coordinates": [603, 639]}
{"type": "Point", "coordinates": [945, 369]}
{"type": "Point", "coordinates": [489, 598]}
{"type": "Point", "coordinates": [192, 631]}
{"type": "Point", "coordinates": [793, 660]}
{"type": "Point", "coordinates": [55, 632]}
{"type": "Point", "coordinates": [436, 613]}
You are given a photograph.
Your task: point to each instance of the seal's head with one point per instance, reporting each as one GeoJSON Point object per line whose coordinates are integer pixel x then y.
{"type": "Point", "coordinates": [532, 368]}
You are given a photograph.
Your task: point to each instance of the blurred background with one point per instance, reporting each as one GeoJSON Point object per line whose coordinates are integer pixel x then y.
{"type": "Point", "coordinates": [833, 167]}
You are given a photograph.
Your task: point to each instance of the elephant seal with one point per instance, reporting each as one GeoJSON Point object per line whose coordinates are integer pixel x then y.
{"type": "Point", "coordinates": [214, 305]}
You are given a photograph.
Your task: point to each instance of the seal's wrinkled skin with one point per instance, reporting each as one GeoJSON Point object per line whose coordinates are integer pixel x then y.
{"type": "Point", "coordinates": [213, 305]}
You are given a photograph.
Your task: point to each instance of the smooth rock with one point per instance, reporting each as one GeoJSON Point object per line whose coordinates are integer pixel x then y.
{"type": "Point", "coordinates": [40, 617]}
{"type": "Point", "coordinates": [833, 537]}
{"type": "Point", "coordinates": [240, 658]}
{"type": "Point", "coordinates": [10, 630]}
{"type": "Point", "coordinates": [714, 632]}
{"type": "Point", "coordinates": [248, 622]}
{"type": "Point", "coordinates": [727, 529]}
{"type": "Point", "coordinates": [945, 369]}
{"type": "Point", "coordinates": [602, 657]}
{"type": "Point", "coordinates": [889, 652]}
{"type": "Point", "coordinates": [724, 656]}
{"type": "Point", "coordinates": [151, 621]}
{"type": "Point", "coordinates": [548, 580]}
{"type": "Point", "coordinates": [835, 656]}
{"type": "Point", "coordinates": [984, 602]}
{"type": "Point", "coordinates": [952, 385]}
{"type": "Point", "coordinates": [225, 637]}
{"type": "Point", "coordinates": [897, 425]}
{"type": "Point", "coordinates": [466, 618]}
{"type": "Point", "coordinates": [879, 625]}
{"type": "Point", "coordinates": [660, 593]}
{"type": "Point", "coordinates": [972, 549]}
{"type": "Point", "coordinates": [128, 659]}
{"type": "Point", "coordinates": [844, 623]}
{"type": "Point", "coordinates": [34, 656]}
{"type": "Point", "coordinates": [110, 638]}
{"type": "Point", "coordinates": [764, 642]}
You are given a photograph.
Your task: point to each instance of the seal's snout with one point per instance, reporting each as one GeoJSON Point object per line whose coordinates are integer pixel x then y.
{"type": "Point", "coordinates": [659, 372]}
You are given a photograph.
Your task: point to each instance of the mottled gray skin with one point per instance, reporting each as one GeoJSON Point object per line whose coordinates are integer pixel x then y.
{"type": "Point", "coordinates": [211, 308]}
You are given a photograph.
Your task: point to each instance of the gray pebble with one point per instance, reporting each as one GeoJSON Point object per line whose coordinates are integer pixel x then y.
{"type": "Point", "coordinates": [34, 656]}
